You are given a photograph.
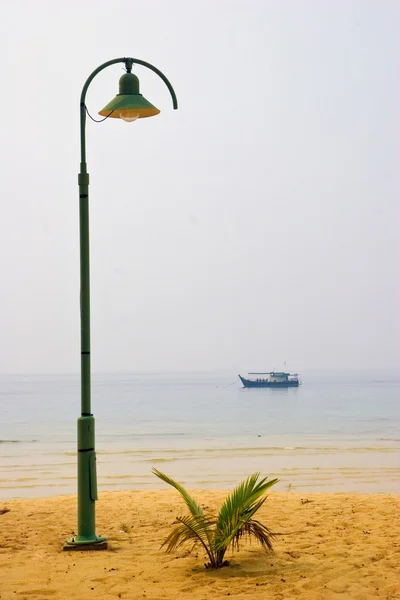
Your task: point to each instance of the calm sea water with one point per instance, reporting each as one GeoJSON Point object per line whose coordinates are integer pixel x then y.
{"type": "Point", "coordinates": [336, 432]}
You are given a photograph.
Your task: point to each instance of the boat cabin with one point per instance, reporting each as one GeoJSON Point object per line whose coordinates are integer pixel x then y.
{"type": "Point", "coordinates": [272, 376]}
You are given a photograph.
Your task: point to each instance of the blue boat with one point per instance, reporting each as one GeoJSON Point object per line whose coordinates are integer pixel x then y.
{"type": "Point", "coordinates": [272, 379]}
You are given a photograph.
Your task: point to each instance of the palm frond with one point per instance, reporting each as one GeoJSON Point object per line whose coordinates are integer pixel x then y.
{"type": "Point", "coordinates": [194, 508]}
{"type": "Point", "coordinates": [239, 508]}
{"type": "Point", "coordinates": [260, 532]}
{"type": "Point", "coordinates": [243, 498]}
{"type": "Point", "coordinates": [245, 494]}
{"type": "Point", "coordinates": [192, 529]}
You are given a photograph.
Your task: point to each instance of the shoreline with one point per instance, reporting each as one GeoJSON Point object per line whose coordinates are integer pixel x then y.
{"type": "Point", "coordinates": [332, 544]}
{"type": "Point", "coordinates": [210, 465]}
{"type": "Point", "coordinates": [211, 475]}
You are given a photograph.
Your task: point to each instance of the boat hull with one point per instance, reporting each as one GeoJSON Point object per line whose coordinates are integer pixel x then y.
{"type": "Point", "coordinates": [268, 384]}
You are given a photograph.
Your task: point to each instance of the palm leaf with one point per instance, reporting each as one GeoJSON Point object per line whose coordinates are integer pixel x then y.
{"type": "Point", "coordinates": [256, 529]}
{"type": "Point", "coordinates": [239, 508]}
{"type": "Point", "coordinates": [192, 529]}
{"type": "Point", "coordinates": [194, 508]}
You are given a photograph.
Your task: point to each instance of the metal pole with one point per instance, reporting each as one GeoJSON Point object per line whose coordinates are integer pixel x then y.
{"type": "Point", "coordinates": [87, 478]}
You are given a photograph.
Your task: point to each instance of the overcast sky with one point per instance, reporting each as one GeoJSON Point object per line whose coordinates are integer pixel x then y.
{"type": "Point", "coordinates": [255, 225]}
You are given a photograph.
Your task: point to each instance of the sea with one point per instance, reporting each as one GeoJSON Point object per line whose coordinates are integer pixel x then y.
{"type": "Point", "coordinates": [337, 432]}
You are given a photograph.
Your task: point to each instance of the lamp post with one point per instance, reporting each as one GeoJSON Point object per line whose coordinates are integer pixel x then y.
{"type": "Point", "coordinates": [128, 105]}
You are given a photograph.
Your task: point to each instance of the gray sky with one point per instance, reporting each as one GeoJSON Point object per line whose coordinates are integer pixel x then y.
{"type": "Point", "coordinates": [254, 225]}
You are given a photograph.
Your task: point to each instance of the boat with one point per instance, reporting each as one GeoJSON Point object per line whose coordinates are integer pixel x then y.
{"type": "Point", "coordinates": [271, 379]}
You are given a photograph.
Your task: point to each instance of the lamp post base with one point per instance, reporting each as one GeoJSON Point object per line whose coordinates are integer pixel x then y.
{"type": "Point", "coordinates": [99, 543]}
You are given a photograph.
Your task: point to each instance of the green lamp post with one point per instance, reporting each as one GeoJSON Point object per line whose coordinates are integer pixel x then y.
{"type": "Point", "coordinates": [128, 105]}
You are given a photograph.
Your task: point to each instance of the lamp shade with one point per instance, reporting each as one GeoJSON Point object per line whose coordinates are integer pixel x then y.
{"type": "Point", "coordinates": [129, 104]}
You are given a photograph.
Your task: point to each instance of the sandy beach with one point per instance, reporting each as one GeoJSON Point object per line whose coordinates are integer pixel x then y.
{"type": "Point", "coordinates": [330, 546]}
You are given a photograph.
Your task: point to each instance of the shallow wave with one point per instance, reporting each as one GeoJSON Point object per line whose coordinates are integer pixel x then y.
{"type": "Point", "coordinates": [160, 460]}
{"type": "Point", "coordinates": [18, 441]}
{"type": "Point", "coordinates": [244, 451]}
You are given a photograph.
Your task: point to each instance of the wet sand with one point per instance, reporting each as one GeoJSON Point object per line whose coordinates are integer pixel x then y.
{"type": "Point", "coordinates": [27, 472]}
{"type": "Point", "coordinates": [343, 545]}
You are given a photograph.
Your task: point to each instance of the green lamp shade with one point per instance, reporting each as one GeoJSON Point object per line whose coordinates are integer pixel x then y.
{"type": "Point", "coordinates": [129, 104]}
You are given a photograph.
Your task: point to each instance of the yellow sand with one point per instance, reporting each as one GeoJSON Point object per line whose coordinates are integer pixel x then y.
{"type": "Point", "coordinates": [334, 546]}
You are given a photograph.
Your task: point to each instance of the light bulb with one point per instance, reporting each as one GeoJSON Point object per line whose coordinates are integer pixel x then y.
{"type": "Point", "coordinates": [129, 115]}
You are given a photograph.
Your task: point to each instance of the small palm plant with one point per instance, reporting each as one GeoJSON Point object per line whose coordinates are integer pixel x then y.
{"type": "Point", "coordinates": [234, 521]}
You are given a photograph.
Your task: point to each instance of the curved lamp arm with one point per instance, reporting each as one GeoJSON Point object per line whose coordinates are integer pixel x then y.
{"type": "Point", "coordinates": [128, 63]}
